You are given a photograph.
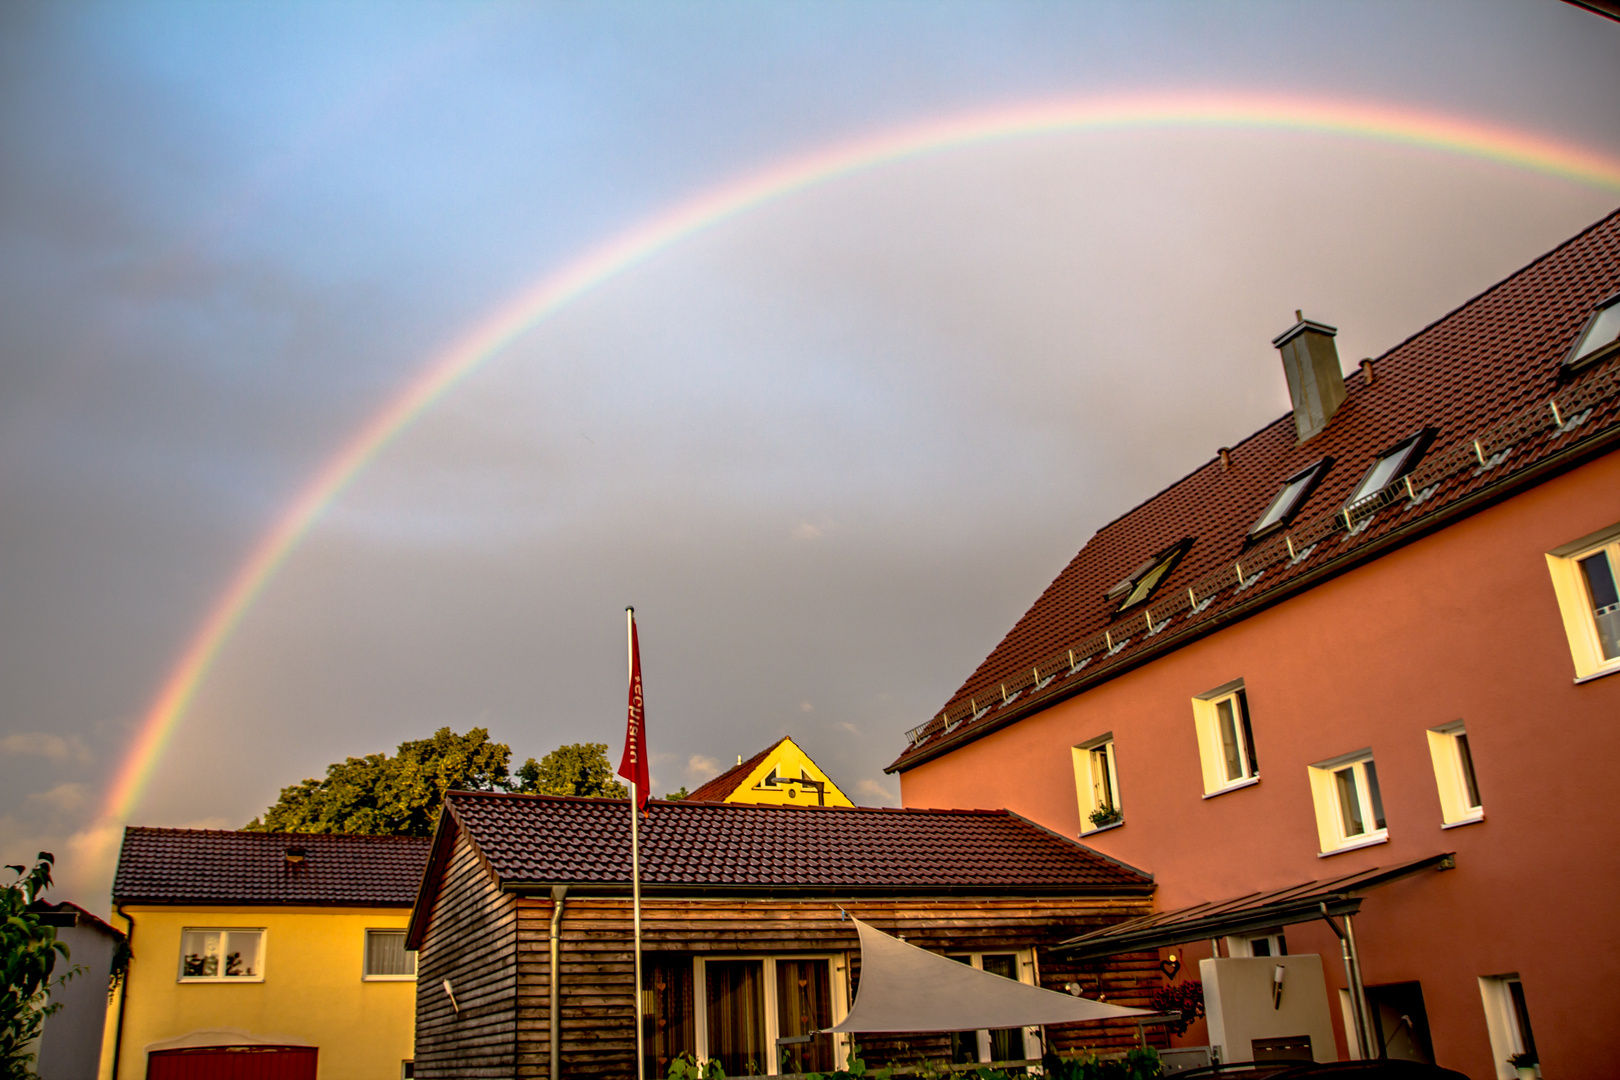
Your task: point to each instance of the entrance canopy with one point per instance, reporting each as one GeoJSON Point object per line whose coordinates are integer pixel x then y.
{"type": "Point", "coordinates": [904, 988]}
{"type": "Point", "coordinates": [1244, 914]}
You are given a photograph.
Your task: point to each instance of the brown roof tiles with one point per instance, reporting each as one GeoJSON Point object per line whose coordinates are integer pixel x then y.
{"type": "Point", "coordinates": [567, 840]}
{"type": "Point", "coordinates": [211, 866]}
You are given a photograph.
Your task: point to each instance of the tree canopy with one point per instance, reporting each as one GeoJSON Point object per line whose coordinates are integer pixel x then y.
{"type": "Point", "coordinates": [28, 953]}
{"type": "Point", "coordinates": [576, 769]}
{"type": "Point", "coordinates": [379, 795]}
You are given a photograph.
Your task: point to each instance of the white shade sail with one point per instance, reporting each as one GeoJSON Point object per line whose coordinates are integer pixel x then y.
{"type": "Point", "coordinates": [904, 988]}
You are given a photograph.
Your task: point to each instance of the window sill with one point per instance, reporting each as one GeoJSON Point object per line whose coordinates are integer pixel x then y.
{"type": "Point", "coordinates": [1234, 786]}
{"type": "Point", "coordinates": [1598, 674]}
{"type": "Point", "coordinates": [1356, 845]}
{"type": "Point", "coordinates": [1102, 828]}
{"type": "Point", "coordinates": [226, 981]}
{"type": "Point", "coordinates": [388, 978]}
{"type": "Point", "coordinates": [1460, 822]}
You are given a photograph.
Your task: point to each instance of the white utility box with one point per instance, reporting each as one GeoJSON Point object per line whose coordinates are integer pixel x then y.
{"type": "Point", "coordinates": [1268, 1008]}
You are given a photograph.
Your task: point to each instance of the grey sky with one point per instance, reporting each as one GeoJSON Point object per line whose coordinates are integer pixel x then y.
{"type": "Point", "coordinates": [830, 449]}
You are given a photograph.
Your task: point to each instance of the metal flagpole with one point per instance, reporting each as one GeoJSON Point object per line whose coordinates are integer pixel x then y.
{"type": "Point", "coordinates": [635, 858]}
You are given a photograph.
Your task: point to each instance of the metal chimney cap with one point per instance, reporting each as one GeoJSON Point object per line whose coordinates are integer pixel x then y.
{"type": "Point", "coordinates": [1299, 328]}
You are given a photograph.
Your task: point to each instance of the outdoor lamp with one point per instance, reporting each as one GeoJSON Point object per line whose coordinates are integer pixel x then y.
{"type": "Point", "coordinates": [1277, 974]}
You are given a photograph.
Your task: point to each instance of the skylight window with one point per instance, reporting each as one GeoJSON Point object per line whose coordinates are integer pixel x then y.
{"type": "Point", "coordinates": [1147, 577]}
{"type": "Point", "coordinates": [1292, 496]}
{"type": "Point", "coordinates": [1602, 336]}
{"type": "Point", "coordinates": [1388, 468]}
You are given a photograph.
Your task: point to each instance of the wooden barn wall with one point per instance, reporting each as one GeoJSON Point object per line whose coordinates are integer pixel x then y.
{"type": "Point", "coordinates": [471, 940]}
{"type": "Point", "coordinates": [598, 1036]}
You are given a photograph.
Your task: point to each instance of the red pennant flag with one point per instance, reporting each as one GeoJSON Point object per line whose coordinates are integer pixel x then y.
{"type": "Point", "coordinates": [633, 766]}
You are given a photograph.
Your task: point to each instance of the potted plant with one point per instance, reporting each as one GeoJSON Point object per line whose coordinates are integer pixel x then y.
{"type": "Point", "coordinates": [1105, 815]}
{"type": "Point", "coordinates": [1525, 1063]}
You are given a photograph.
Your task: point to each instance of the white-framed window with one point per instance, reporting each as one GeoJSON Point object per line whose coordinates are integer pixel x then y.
{"type": "Point", "coordinates": [1349, 806]}
{"type": "Point", "coordinates": [1586, 580]}
{"type": "Point", "coordinates": [1225, 738]}
{"type": "Point", "coordinates": [740, 1006]}
{"type": "Point", "coordinates": [1600, 338]}
{"type": "Point", "coordinates": [1507, 1019]}
{"type": "Point", "coordinates": [1258, 943]}
{"type": "Point", "coordinates": [1003, 1044]}
{"type": "Point", "coordinates": [221, 954]}
{"type": "Point", "coordinates": [1096, 782]}
{"type": "Point", "coordinates": [387, 958]}
{"type": "Point", "coordinates": [1294, 491]}
{"type": "Point", "coordinates": [1390, 465]}
{"type": "Point", "coordinates": [1454, 775]}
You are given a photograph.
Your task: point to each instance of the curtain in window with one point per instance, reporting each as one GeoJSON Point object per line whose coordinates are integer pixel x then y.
{"type": "Point", "coordinates": [736, 1001]}
{"type": "Point", "coordinates": [386, 953]}
{"type": "Point", "coordinates": [669, 1013]}
{"type": "Point", "coordinates": [804, 1005]}
{"type": "Point", "coordinates": [1006, 1044]}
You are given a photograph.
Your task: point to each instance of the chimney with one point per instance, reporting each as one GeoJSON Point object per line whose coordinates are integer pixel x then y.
{"type": "Point", "coordinates": [1315, 382]}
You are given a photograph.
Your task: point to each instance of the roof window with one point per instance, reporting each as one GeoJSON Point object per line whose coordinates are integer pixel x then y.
{"type": "Point", "coordinates": [1147, 577]}
{"type": "Point", "coordinates": [1390, 466]}
{"type": "Point", "coordinates": [1294, 492]}
{"type": "Point", "coordinates": [1601, 338]}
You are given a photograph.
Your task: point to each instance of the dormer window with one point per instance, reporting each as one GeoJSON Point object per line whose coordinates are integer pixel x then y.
{"type": "Point", "coordinates": [1147, 577]}
{"type": "Point", "coordinates": [1600, 339]}
{"type": "Point", "coordinates": [1389, 467]}
{"type": "Point", "coordinates": [1294, 492]}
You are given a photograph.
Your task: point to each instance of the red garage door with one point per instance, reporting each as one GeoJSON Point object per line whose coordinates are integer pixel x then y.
{"type": "Point", "coordinates": [232, 1063]}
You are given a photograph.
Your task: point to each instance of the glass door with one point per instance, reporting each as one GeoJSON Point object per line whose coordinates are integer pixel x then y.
{"type": "Point", "coordinates": [736, 1016]}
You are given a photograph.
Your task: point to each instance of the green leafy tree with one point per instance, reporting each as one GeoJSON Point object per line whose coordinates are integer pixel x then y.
{"type": "Point", "coordinates": [681, 794]}
{"type": "Point", "coordinates": [395, 796]}
{"type": "Point", "coordinates": [28, 954]}
{"type": "Point", "coordinates": [575, 769]}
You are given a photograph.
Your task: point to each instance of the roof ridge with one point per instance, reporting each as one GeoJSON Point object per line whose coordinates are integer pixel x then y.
{"type": "Point", "coordinates": [181, 831]}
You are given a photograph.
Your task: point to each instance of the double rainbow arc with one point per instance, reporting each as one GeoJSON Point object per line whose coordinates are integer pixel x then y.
{"type": "Point", "coordinates": [548, 295]}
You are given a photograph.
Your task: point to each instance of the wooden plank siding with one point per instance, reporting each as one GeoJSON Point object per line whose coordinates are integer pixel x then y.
{"type": "Point", "coordinates": [597, 976]}
{"type": "Point", "coordinates": [472, 941]}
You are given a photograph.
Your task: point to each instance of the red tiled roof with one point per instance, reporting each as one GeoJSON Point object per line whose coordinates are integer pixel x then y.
{"type": "Point", "coordinates": [572, 840]}
{"type": "Point", "coordinates": [729, 781]}
{"type": "Point", "coordinates": [1485, 372]}
{"type": "Point", "coordinates": [211, 866]}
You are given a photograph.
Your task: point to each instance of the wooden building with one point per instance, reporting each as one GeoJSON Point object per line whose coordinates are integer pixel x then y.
{"type": "Point", "coordinates": [523, 928]}
{"type": "Point", "coordinates": [1375, 643]}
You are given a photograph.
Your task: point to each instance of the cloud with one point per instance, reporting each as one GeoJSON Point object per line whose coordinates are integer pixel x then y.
{"type": "Point", "coordinates": [45, 745]}
{"type": "Point", "coordinates": [700, 768]}
{"type": "Point", "coordinates": [64, 797]}
{"type": "Point", "coordinates": [873, 793]}
{"type": "Point", "coordinates": [805, 706]}
{"type": "Point", "coordinates": [814, 531]}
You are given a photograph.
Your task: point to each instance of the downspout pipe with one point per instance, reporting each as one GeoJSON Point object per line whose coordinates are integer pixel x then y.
{"type": "Point", "coordinates": [1360, 991]}
{"type": "Point", "coordinates": [1352, 976]}
{"type": "Point", "coordinates": [559, 894]}
{"type": "Point", "coordinates": [123, 990]}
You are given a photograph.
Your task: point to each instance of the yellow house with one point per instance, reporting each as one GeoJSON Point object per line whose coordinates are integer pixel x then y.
{"type": "Point", "coordinates": [285, 951]}
{"type": "Point", "coordinates": [779, 775]}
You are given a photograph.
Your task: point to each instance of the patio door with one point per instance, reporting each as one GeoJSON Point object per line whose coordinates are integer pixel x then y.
{"type": "Point", "coordinates": [1000, 1044]}
{"type": "Point", "coordinates": [749, 1004]}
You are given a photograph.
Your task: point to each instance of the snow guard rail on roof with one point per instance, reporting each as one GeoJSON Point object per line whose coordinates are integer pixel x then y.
{"type": "Point", "coordinates": [1469, 458]}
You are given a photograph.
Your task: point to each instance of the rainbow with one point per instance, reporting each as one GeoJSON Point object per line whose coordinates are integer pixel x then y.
{"type": "Point", "coordinates": [551, 293]}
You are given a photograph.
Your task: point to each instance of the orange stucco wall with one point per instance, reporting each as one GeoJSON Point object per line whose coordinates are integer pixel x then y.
{"type": "Point", "coordinates": [1460, 625]}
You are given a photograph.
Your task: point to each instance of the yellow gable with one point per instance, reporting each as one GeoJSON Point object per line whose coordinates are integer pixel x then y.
{"type": "Point", "coordinates": [786, 776]}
